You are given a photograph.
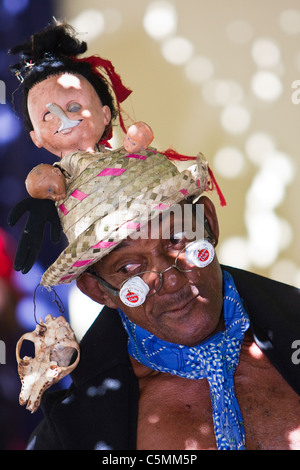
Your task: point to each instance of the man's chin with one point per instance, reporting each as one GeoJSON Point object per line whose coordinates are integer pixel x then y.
{"type": "Point", "coordinates": [185, 331]}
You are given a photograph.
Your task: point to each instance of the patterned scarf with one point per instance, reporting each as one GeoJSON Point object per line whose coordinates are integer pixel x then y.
{"type": "Point", "coordinates": [215, 359]}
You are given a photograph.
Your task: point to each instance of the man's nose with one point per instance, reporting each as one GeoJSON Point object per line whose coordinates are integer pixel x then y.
{"type": "Point", "coordinates": [172, 278]}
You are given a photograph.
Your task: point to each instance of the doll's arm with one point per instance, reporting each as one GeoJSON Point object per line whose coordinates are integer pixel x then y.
{"type": "Point", "coordinates": [40, 212]}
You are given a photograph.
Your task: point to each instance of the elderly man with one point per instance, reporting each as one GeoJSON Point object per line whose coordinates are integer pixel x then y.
{"type": "Point", "coordinates": [186, 354]}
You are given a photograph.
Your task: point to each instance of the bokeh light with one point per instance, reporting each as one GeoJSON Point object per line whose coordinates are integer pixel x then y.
{"type": "Point", "coordinates": [235, 119]}
{"type": "Point", "coordinates": [10, 126]}
{"type": "Point", "coordinates": [229, 162]}
{"type": "Point", "coordinates": [265, 53]}
{"type": "Point", "coordinates": [113, 20]}
{"type": "Point", "coordinates": [160, 20]}
{"type": "Point", "coordinates": [177, 50]}
{"type": "Point", "coordinates": [289, 21]}
{"type": "Point", "coordinates": [266, 86]}
{"type": "Point", "coordinates": [89, 24]}
{"type": "Point", "coordinates": [14, 7]}
{"type": "Point", "coordinates": [199, 69]}
{"type": "Point", "coordinates": [234, 251]}
{"type": "Point", "coordinates": [266, 191]}
{"type": "Point", "coordinates": [82, 311]}
{"type": "Point", "coordinates": [258, 146]}
{"type": "Point", "coordinates": [264, 233]}
{"type": "Point", "coordinates": [221, 92]}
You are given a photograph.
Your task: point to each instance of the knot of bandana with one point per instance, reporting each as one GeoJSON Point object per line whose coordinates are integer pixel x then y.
{"type": "Point", "coordinates": [215, 359]}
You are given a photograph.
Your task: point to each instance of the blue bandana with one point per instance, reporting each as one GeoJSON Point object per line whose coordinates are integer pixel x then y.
{"type": "Point", "coordinates": [215, 359]}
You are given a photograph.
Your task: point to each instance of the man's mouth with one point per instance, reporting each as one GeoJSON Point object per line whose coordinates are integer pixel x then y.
{"type": "Point", "coordinates": [183, 308]}
{"type": "Point", "coordinates": [180, 302]}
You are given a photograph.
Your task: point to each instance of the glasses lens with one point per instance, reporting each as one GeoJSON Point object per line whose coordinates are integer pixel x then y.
{"type": "Point", "coordinates": [140, 286]}
{"type": "Point", "coordinates": [134, 292]}
{"type": "Point", "coordinates": [197, 254]}
{"type": "Point", "coordinates": [184, 261]}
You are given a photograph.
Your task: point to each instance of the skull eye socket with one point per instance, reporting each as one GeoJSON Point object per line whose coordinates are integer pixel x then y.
{"type": "Point", "coordinates": [27, 348]}
{"type": "Point", "coordinates": [64, 356]}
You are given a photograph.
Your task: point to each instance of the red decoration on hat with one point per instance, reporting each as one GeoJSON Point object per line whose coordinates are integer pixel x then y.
{"type": "Point", "coordinates": [215, 184]}
{"type": "Point", "coordinates": [121, 92]}
{"type": "Point", "coordinates": [171, 154]}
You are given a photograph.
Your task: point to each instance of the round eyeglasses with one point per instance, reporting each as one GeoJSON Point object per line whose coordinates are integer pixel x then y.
{"type": "Point", "coordinates": [134, 290]}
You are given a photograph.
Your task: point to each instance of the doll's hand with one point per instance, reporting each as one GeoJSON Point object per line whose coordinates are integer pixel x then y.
{"type": "Point", "coordinates": [40, 212]}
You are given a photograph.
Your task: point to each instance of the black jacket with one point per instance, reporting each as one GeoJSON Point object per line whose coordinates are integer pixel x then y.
{"type": "Point", "coordinates": [100, 409]}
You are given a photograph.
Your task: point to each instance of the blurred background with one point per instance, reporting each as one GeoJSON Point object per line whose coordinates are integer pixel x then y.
{"type": "Point", "coordinates": [218, 77]}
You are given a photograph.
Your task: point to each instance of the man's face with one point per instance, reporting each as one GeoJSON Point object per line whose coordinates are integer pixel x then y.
{"type": "Point", "coordinates": [79, 101]}
{"type": "Point", "coordinates": [186, 310]}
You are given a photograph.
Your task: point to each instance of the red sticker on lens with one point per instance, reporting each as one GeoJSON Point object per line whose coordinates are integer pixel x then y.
{"type": "Point", "coordinates": [203, 255]}
{"type": "Point", "coordinates": [132, 297]}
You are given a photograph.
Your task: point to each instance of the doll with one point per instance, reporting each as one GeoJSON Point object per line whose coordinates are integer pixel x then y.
{"type": "Point", "coordinates": [50, 60]}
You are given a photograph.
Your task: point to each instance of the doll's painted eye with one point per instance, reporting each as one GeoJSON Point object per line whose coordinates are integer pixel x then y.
{"type": "Point", "coordinates": [47, 116]}
{"type": "Point", "coordinates": [74, 107]}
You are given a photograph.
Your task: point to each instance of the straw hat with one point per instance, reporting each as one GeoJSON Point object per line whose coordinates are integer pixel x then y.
{"type": "Point", "coordinates": [109, 196]}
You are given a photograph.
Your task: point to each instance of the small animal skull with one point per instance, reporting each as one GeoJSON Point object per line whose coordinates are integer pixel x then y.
{"type": "Point", "coordinates": [54, 343]}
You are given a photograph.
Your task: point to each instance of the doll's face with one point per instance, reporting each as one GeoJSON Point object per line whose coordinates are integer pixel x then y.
{"type": "Point", "coordinates": [139, 136]}
{"type": "Point", "coordinates": [79, 101]}
{"type": "Point", "coordinates": [46, 182]}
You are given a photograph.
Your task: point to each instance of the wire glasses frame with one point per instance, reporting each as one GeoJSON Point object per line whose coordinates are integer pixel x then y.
{"type": "Point", "coordinates": [116, 291]}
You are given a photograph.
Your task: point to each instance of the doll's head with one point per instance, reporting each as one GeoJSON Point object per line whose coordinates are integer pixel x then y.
{"type": "Point", "coordinates": [66, 114]}
{"type": "Point", "coordinates": [46, 182]}
{"type": "Point", "coordinates": [139, 136]}
{"type": "Point", "coordinates": [53, 53]}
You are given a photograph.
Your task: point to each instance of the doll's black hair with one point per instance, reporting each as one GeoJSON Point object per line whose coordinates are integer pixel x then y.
{"type": "Point", "coordinates": [53, 51]}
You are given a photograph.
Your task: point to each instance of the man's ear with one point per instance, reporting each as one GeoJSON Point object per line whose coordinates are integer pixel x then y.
{"type": "Point", "coordinates": [211, 215]}
{"type": "Point", "coordinates": [91, 287]}
{"type": "Point", "coordinates": [35, 139]}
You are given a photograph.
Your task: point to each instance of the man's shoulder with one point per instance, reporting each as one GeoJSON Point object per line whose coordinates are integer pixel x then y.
{"type": "Point", "coordinates": [263, 290]}
{"type": "Point", "coordinates": [273, 308]}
